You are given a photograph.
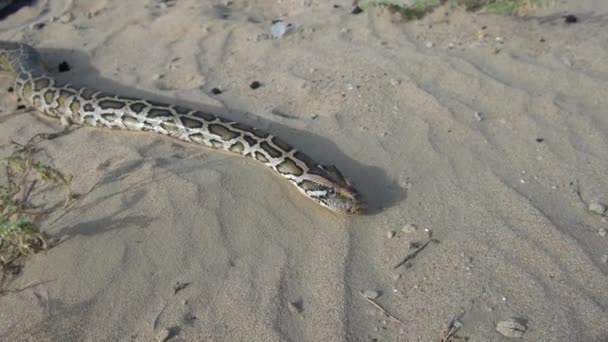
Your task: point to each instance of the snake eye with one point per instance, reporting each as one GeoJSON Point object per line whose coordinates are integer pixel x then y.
{"type": "Point", "coordinates": [331, 191]}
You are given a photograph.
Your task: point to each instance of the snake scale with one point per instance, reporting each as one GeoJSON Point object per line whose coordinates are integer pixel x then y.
{"type": "Point", "coordinates": [324, 184]}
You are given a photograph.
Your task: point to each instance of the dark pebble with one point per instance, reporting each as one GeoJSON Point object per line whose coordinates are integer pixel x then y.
{"type": "Point", "coordinates": [20, 107]}
{"type": "Point", "coordinates": [10, 89]}
{"type": "Point", "coordinates": [255, 85]}
{"type": "Point", "coordinates": [540, 140]}
{"type": "Point", "coordinates": [216, 91]}
{"type": "Point", "coordinates": [336, 6]}
{"type": "Point", "coordinates": [64, 66]}
{"type": "Point", "coordinates": [357, 10]}
{"type": "Point", "coordinates": [570, 19]}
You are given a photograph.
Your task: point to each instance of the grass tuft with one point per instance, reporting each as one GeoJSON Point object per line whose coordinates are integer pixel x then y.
{"type": "Point", "coordinates": [419, 8]}
{"type": "Point", "coordinates": [19, 235]}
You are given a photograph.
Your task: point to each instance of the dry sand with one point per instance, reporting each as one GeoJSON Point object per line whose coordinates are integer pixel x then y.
{"type": "Point", "coordinates": [394, 106]}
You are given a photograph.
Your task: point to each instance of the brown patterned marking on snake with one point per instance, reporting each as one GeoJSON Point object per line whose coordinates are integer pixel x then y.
{"type": "Point", "coordinates": [249, 140]}
{"type": "Point", "coordinates": [26, 90]}
{"type": "Point", "coordinates": [273, 152]}
{"type": "Point", "coordinates": [157, 104]}
{"type": "Point", "coordinates": [289, 167]}
{"type": "Point", "coordinates": [281, 144]}
{"type": "Point", "coordinates": [130, 119]}
{"type": "Point", "coordinates": [111, 104]}
{"type": "Point", "coordinates": [88, 107]}
{"type": "Point", "coordinates": [109, 116]}
{"type": "Point", "coordinates": [237, 148]}
{"type": "Point", "coordinates": [148, 127]}
{"type": "Point", "coordinates": [204, 115]}
{"type": "Point", "coordinates": [89, 120]}
{"type": "Point", "coordinates": [49, 97]}
{"type": "Point", "coordinates": [308, 185]}
{"type": "Point", "coordinates": [181, 110]}
{"type": "Point", "coordinates": [261, 157]}
{"type": "Point", "coordinates": [169, 126]}
{"type": "Point", "coordinates": [198, 137]}
{"type": "Point", "coordinates": [223, 132]}
{"type": "Point", "coordinates": [41, 83]}
{"type": "Point", "coordinates": [102, 95]}
{"type": "Point", "coordinates": [37, 101]}
{"type": "Point", "coordinates": [216, 143]}
{"type": "Point", "coordinates": [75, 106]}
{"type": "Point", "coordinates": [190, 122]}
{"type": "Point", "coordinates": [137, 107]}
{"type": "Point", "coordinates": [157, 112]}
{"type": "Point", "coordinates": [87, 93]}
{"type": "Point", "coordinates": [64, 96]}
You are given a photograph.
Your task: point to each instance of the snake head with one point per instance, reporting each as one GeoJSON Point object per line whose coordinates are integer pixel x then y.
{"type": "Point", "coordinates": [328, 187]}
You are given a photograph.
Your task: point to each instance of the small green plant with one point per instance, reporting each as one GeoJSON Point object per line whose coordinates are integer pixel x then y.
{"type": "Point", "coordinates": [505, 7]}
{"type": "Point", "coordinates": [419, 8]}
{"type": "Point", "coordinates": [19, 235]}
{"type": "Point", "coordinates": [416, 10]}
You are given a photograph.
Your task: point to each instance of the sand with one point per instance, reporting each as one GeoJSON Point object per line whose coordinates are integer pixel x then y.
{"type": "Point", "coordinates": [477, 129]}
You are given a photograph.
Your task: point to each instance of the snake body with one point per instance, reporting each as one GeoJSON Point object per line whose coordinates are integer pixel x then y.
{"type": "Point", "coordinates": [324, 184]}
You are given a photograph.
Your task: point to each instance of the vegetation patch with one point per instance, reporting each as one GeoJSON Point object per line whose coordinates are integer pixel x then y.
{"type": "Point", "coordinates": [19, 234]}
{"type": "Point", "coordinates": [419, 8]}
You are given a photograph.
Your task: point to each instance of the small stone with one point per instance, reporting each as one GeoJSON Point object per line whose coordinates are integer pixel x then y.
{"type": "Point", "coordinates": [163, 335]}
{"type": "Point", "coordinates": [481, 35]}
{"type": "Point", "coordinates": [279, 28]}
{"type": "Point", "coordinates": [255, 85]}
{"type": "Point", "coordinates": [37, 26]}
{"type": "Point", "coordinates": [570, 19]}
{"type": "Point", "coordinates": [64, 66]}
{"type": "Point", "coordinates": [157, 77]}
{"type": "Point", "coordinates": [500, 39]}
{"type": "Point", "coordinates": [451, 46]}
{"type": "Point", "coordinates": [478, 116]}
{"type": "Point", "coordinates": [409, 228]}
{"type": "Point", "coordinates": [513, 328]}
{"type": "Point", "coordinates": [602, 232]}
{"type": "Point", "coordinates": [66, 18]}
{"type": "Point", "coordinates": [429, 44]}
{"type": "Point", "coordinates": [296, 307]}
{"type": "Point", "coordinates": [216, 91]}
{"type": "Point", "coordinates": [604, 258]}
{"type": "Point", "coordinates": [597, 208]}
{"type": "Point", "coordinates": [371, 294]}
{"type": "Point", "coordinates": [390, 234]}
{"type": "Point", "coordinates": [395, 82]}
{"type": "Point", "coordinates": [357, 10]}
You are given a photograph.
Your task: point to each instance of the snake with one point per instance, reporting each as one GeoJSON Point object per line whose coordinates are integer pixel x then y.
{"type": "Point", "coordinates": [86, 106]}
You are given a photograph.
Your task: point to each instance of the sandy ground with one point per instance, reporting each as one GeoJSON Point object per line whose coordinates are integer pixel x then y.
{"type": "Point", "coordinates": [394, 106]}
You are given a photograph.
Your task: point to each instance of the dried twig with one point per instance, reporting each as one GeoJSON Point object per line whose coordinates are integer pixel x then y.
{"type": "Point", "coordinates": [414, 253]}
{"type": "Point", "coordinates": [450, 329]}
{"type": "Point", "coordinates": [386, 313]}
